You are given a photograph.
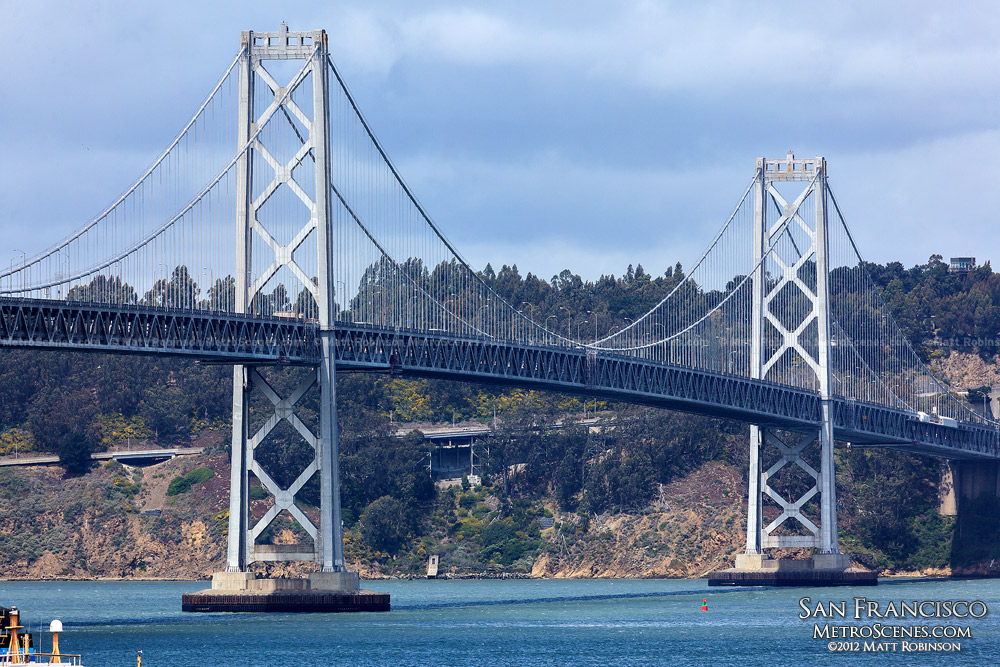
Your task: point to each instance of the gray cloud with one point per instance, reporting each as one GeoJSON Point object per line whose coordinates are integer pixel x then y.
{"type": "Point", "coordinates": [529, 128]}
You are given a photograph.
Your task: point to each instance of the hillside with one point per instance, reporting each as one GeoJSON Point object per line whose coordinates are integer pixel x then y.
{"type": "Point", "coordinates": [94, 527]}
{"type": "Point", "coordinates": [647, 492]}
{"type": "Point", "coordinates": [104, 525]}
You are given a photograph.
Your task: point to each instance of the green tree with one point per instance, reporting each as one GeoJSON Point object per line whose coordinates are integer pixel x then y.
{"type": "Point", "coordinates": [74, 452]}
{"type": "Point", "coordinates": [385, 524]}
{"type": "Point", "coordinates": [66, 426]}
{"type": "Point", "coordinates": [103, 289]}
{"type": "Point", "coordinates": [180, 291]}
{"type": "Point", "coordinates": [222, 295]}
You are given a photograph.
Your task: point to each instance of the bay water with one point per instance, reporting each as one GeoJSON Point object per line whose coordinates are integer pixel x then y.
{"type": "Point", "coordinates": [516, 622]}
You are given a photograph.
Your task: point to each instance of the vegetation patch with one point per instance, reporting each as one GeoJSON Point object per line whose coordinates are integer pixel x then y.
{"type": "Point", "coordinates": [179, 485]}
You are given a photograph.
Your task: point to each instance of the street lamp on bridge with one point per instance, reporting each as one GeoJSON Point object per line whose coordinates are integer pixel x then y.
{"type": "Point", "coordinates": [24, 260]}
{"type": "Point", "coordinates": [489, 303]}
{"type": "Point", "coordinates": [69, 274]}
{"type": "Point", "coordinates": [342, 298]}
{"type": "Point", "coordinates": [652, 334]}
{"type": "Point", "coordinates": [590, 312]}
{"type": "Point", "coordinates": [569, 323]}
{"type": "Point", "coordinates": [211, 285]}
{"type": "Point", "coordinates": [546, 326]}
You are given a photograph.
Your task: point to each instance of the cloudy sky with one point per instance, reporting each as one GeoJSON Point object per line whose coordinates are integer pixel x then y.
{"type": "Point", "coordinates": [580, 135]}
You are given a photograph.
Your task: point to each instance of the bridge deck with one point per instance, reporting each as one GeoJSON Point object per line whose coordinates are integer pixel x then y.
{"type": "Point", "coordinates": [232, 338]}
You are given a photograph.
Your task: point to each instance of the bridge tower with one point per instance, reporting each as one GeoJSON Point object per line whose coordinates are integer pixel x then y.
{"type": "Point", "coordinates": [785, 344]}
{"type": "Point", "coordinates": [261, 175]}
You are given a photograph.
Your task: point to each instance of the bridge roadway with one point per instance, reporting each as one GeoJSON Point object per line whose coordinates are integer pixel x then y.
{"type": "Point", "coordinates": [230, 338]}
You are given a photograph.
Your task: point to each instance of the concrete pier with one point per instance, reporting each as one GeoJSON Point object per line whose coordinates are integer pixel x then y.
{"type": "Point", "coordinates": [820, 570]}
{"type": "Point", "coordinates": [965, 481]}
{"type": "Point", "coordinates": [320, 592]}
{"type": "Point", "coordinates": [970, 492]}
{"type": "Point", "coordinates": [977, 478]}
{"type": "Point", "coordinates": [947, 493]}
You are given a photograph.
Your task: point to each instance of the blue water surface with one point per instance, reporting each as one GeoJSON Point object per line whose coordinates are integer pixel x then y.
{"type": "Point", "coordinates": [485, 623]}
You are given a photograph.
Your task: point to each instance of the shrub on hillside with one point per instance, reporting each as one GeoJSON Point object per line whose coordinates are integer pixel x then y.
{"type": "Point", "coordinates": [200, 475]}
{"type": "Point", "coordinates": [178, 485]}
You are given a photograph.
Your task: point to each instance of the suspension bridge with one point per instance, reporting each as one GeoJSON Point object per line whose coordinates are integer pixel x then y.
{"type": "Point", "coordinates": [289, 237]}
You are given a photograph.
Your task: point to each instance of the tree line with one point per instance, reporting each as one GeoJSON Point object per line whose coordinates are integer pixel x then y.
{"type": "Point", "coordinates": [75, 403]}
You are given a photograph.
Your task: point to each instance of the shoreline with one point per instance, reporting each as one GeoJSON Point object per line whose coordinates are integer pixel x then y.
{"type": "Point", "coordinates": [509, 576]}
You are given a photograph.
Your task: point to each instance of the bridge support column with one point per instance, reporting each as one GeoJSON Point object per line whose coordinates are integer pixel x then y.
{"type": "Point", "coordinates": [326, 548]}
{"type": "Point", "coordinates": [236, 560]}
{"type": "Point", "coordinates": [252, 194]}
{"type": "Point", "coordinates": [754, 500]}
{"type": "Point", "coordinates": [965, 481]}
{"type": "Point", "coordinates": [973, 498]}
{"type": "Point", "coordinates": [827, 567]}
{"type": "Point", "coordinates": [947, 492]}
{"type": "Point", "coordinates": [829, 556]}
{"type": "Point", "coordinates": [331, 531]}
{"type": "Point", "coordinates": [822, 536]}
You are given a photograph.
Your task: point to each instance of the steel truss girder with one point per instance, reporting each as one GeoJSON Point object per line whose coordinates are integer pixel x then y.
{"type": "Point", "coordinates": [38, 323]}
{"type": "Point", "coordinates": [567, 369]}
{"type": "Point", "coordinates": [231, 338]}
{"type": "Point", "coordinates": [366, 348]}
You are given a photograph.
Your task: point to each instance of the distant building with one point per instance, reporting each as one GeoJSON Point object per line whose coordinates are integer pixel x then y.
{"type": "Point", "coordinates": [962, 264]}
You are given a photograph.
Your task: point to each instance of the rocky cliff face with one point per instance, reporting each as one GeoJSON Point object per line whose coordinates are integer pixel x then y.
{"type": "Point", "coordinates": [117, 522]}
{"type": "Point", "coordinates": [93, 526]}
{"type": "Point", "coordinates": [695, 526]}
{"type": "Point", "coordinates": [964, 370]}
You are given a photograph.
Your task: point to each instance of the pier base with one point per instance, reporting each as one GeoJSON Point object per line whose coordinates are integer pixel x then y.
{"type": "Point", "coordinates": [321, 592]}
{"type": "Point", "coordinates": [820, 570]}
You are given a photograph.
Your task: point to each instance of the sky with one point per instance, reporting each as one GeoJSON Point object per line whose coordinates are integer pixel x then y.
{"type": "Point", "coordinates": [550, 135]}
